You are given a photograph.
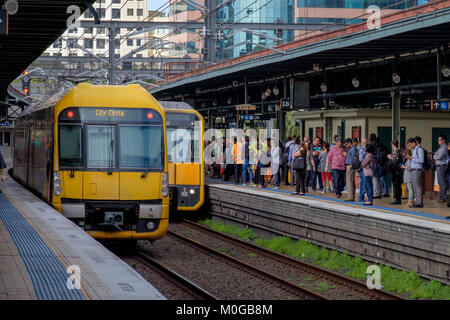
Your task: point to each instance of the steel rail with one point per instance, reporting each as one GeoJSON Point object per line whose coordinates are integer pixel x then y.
{"type": "Point", "coordinates": [359, 287]}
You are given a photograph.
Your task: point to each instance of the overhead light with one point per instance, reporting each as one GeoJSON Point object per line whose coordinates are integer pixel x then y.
{"type": "Point", "coordinates": [396, 78]}
{"type": "Point", "coordinates": [215, 103]}
{"type": "Point", "coordinates": [230, 100]}
{"type": "Point", "coordinates": [268, 92]}
{"type": "Point", "coordinates": [263, 96]}
{"type": "Point", "coordinates": [12, 6]}
{"type": "Point", "coordinates": [445, 71]}
{"type": "Point", "coordinates": [276, 91]}
{"type": "Point", "coordinates": [355, 82]}
{"type": "Point", "coordinates": [323, 87]}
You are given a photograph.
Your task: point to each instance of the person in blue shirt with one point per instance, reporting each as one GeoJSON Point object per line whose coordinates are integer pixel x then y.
{"type": "Point", "coordinates": [293, 147]}
{"type": "Point", "coordinates": [352, 146]}
{"type": "Point", "coordinates": [440, 160]}
{"type": "Point", "coordinates": [418, 158]}
{"type": "Point", "coordinates": [362, 155]}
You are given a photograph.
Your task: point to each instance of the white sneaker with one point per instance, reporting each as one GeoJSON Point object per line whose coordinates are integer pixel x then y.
{"type": "Point", "coordinates": [323, 191]}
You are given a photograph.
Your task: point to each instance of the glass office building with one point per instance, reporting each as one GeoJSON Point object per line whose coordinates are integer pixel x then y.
{"type": "Point", "coordinates": [316, 12]}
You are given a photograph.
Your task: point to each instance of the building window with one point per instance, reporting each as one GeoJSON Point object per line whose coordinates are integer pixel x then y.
{"type": "Point", "coordinates": [57, 43]}
{"type": "Point", "coordinates": [70, 43]}
{"type": "Point", "coordinates": [73, 30]}
{"type": "Point", "coordinates": [117, 30]}
{"type": "Point", "coordinates": [140, 12]}
{"type": "Point", "coordinates": [100, 43]}
{"type": "Point", "coordinates": [190, 46]}
{"type": "Point", "coordinates": [130, 42]}
{"type": "Point", "coordinates": [116, 1]}
{"type": "Point", "coordinates": [88, 30]}
{"type": "Point", "coordinates": [130, 12]}
{"type": "Point", "coordinates": [139, 55]}
{"type": "Point", "coordinates": [138, 42]}
{"type": "Point", "coordinates": [88, 43]}
{"type": "Point", "coordinates": [116, 13]}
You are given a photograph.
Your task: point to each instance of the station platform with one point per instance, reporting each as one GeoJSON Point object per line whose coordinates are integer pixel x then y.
{"type": "Point", "coordinates": [38, 244]}
{"type": "Point", "coordinates": [407, 238]}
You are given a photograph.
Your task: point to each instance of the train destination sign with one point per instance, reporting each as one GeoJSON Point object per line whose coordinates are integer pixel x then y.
{"type": "Point", "coordinates": [110, 115]}
{"type": "Point", "coordinates": [245, 107]}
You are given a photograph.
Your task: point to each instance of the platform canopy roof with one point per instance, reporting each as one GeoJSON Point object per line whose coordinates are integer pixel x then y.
{"type": "Point", "coordinates": [36, 25]}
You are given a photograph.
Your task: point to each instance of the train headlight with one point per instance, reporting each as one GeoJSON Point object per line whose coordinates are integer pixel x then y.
{"type": "Point", "coordinates": [165, 185]}
{"type": "Point", "coordinates": [150, 225]}
{"type": "Point", "coordinates": [192, 191]}
{"type": "Point", "coordinates": [57, 184]}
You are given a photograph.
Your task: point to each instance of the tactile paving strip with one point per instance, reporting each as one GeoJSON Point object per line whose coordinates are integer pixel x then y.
{"type": "Point", "coordinates": [47, 273]}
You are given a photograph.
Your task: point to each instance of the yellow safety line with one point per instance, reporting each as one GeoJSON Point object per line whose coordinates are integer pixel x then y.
{"type": "Point", "coordinates": [52, 247]}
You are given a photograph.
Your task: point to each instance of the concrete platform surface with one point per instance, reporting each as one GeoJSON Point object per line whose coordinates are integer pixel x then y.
{"type": "Point", "coordinates": [38, 244]}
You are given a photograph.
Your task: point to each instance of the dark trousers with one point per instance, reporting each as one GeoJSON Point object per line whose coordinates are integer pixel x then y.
{"type": "Point", "coordinates": [237, 172]}
{"type": "Point", "coordinates": [307, 179]}
{"type": "Point", "coordinates": [286, 174]}
{"type": "Point", "coordinates": [397, 184]}
{"type": "Point", "coordinates": [316, 175]}
{"type": "Point", "coordinates": [300, 181]}
{"type": "Point", "coordinates": [338, 181]}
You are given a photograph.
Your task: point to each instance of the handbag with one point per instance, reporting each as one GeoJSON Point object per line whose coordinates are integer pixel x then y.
{"type": "Point", "coordinates": [299, 163]}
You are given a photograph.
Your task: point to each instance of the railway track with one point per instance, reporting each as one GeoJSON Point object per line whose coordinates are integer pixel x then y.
{"type": "Point", "coordinates": [174, 279]}
{"type": "Point", "coordinates": [272, 279]}
{"type": "Point", "coordinates": [350, 288]}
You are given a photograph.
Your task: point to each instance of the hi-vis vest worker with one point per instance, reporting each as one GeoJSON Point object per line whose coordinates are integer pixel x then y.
{"type": "Point", "coordinates": [238, 149]}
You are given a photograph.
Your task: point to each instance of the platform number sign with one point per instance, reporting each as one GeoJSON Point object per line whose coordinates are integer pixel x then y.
{"type": "Point", "coordinates": [440, 105]}
{"type": "Point", "coordinates": [3, 22]}
{"type": "Point", "coordinates": [285, 104]}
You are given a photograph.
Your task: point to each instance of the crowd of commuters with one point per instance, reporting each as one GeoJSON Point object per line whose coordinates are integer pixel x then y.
{"type": "Point", "coordinates": [332, 168]}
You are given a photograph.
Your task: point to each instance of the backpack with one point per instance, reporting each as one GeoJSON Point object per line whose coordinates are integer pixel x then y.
{"type": "Point", "coordinates": [377, 168]}
{"type": "Point", "coordinates": [426, 161]}
{"type": "Point", "coordinates": [356, 164]}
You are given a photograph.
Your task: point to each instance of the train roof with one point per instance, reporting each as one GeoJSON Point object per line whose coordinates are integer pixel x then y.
{"type": "Point", "coordinates": [175, 105]}
{"type": "Point", "coordinates": [88, 95]}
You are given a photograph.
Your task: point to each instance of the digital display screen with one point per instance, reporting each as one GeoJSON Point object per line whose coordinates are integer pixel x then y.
{"type": "Point", "coordinates": [110, 115]}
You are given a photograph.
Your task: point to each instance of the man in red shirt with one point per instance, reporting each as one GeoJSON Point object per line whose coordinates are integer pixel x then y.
{"type": "Point", "coordinates": [337, 157]}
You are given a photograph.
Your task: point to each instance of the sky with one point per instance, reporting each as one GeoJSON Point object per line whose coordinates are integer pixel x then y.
{"type": "Point", "coordinates": [155, 4]}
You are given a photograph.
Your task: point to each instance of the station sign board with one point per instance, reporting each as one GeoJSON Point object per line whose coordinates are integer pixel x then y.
{"type": "Point", "coordinates": [252, 117]}
{"type": "Point", "coordinates": [3, 22]}
{"type": "Point", "coordinates": [439, 105]}
{"type": "Point", "coordinates": [245, 107]}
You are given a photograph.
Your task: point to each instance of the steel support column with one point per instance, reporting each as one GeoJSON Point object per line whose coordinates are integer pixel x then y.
{"type": "Point", "coordinates": [211, 31]}
{"type": "Point", "coordinates": [438, 74]}
{"type": "Point", "coordinates": [112, 55]}
{"type": "Point", "coordinates": [396, 99]}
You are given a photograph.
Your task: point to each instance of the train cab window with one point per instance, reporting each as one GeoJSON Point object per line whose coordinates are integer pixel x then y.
{"type": "Point", "coordinates": [70, 146]}
{"type": "Point", "coordinates": [101, 146]}
{"type": "Point", "coordinates": [141, 147]}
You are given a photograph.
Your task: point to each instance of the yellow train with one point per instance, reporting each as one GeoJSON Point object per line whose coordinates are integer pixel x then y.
{"type": "Point", "coordinates": [98, 155]}
{"type": "Point", "coordinates": [185, 128]}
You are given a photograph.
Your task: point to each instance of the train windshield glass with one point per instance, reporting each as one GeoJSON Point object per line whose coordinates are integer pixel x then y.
{"type": "Point", "coordinates": [141, 147]}
{"type": "Point", "coordinates": [183, 137]}
{"type": "Point", "coordinates": [71, 151]}
{"type": "Point", "coordinates": [101, 142]}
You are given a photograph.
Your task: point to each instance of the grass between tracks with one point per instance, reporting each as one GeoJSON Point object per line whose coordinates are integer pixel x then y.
{"type": "Point", "coordinates": [393, 280]}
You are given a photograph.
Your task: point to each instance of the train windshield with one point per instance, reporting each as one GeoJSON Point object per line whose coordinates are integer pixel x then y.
{"type": "Point", "coordinates": [71, 151]}
{"type": "Point", "coordinates": [183, 138]}
{"type": "Point", "coordinates": [141, 147]}
{"type": "Point", "coordinates": [101, 142]}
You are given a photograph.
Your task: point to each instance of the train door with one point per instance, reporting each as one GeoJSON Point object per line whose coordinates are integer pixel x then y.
{"type": "Point", "coordinates": [101, 179]}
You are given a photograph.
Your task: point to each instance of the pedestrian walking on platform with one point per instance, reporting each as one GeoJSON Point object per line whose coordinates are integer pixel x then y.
{"type": "Point", "coordinates": [367, 166]}
{"type": "Point", "coordinates": [361, 156]}
{"type": "Point", "coordinates": [440, 161]}
{"type": "Point", "coordinates": [293, 147]}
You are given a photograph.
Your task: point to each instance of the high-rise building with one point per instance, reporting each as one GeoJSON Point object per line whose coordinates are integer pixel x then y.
{"type": "Point", "coordinates": [96, 40]}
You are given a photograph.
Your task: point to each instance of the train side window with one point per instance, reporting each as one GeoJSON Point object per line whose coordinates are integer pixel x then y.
{"type": "Point", "coordinates": [70, 146]}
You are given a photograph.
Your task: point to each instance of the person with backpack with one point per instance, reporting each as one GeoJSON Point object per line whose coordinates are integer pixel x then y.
{"type": "Point", "coordinates": [394, 164]}
{"type": "Point", "coordinates": [352, 146]}
{"type": "Point", "coordinates": [417, 160]}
